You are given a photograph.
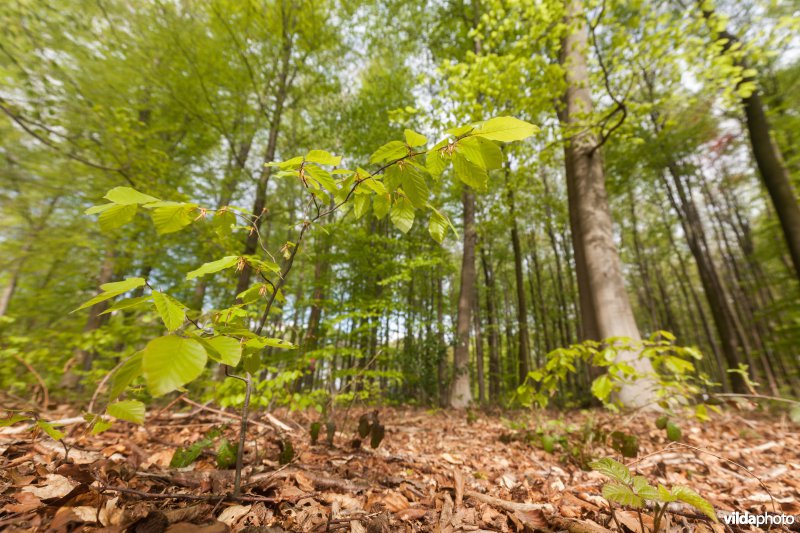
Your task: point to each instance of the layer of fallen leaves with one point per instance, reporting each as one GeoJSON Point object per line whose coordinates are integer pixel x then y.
{"type": "Point", "coordinates": [435, 471]}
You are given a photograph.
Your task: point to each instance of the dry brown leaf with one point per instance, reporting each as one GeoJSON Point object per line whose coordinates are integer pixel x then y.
{"type": "Point", "coordinates": [53, 486]}
{"type": "Point", "coordinates": [344, 500]}
{"type": "Point", "coordinates": [232, 514]}
{"type": "Point", "coordinates": [27, 502]}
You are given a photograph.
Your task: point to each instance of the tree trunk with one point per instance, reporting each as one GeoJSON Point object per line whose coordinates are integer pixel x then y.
{"type": "Point", "coordinates": [442, 347]}
{"type": "Point", "coordinates": [598, 265]}
{"type": "Point", "coordinates": [260, 204]}
{"type": "Point", "coordinates": [523, 365]}
{"type": "Point", "coordinates": [460, 392]}
{"type": "Point", "coordinates": [478, 347]}
{"type": "Point", "coordinates": [494, 334]}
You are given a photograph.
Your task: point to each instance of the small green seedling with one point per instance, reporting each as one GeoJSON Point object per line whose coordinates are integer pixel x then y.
{"type": "Point", "coordinates": [635, 491]}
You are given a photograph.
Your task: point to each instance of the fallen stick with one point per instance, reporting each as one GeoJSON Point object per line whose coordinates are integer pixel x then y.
{"type": "Point", "coordinates": [191, 497]}
{"type": "Point", "coordinates": [507, 505]}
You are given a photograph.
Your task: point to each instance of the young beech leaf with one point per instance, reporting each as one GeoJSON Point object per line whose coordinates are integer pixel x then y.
{"type": "Point", "coordinates": [402, 214]}
{"type": "Point", "coordinates": [128, 410]}
{"type": "Point", "coordinates": [687, 495]}
{"type": "Point", "coordinates": [51, 431]}
{"type": "Point", "coordinates": [113, 289]}
{"type": "Point", "coordinates": [360, 205]}
{"type": "Point", "coordinates": [642, 488]}
{"type": "Point", "coordinates": [213, 266]}
{"type": "Point", "coordinates": [128, 196]}
{"type": "Point", "coordinates": [613, 469]}
{"type": "Point", "coordinates": [415, 187]}
{"type": "Point", "coordinates": [170, 362]}
{"type": "Point", "coordinates": [117, 216]}
{"type": "Point", "coordinates": [170, 217]}
{"type": "Point", "coordinates": [661, 422]}
{"type": "Point", "coordinates": [127, 303]}
{"type": "Point", "coordinates": [380, 205]}
{"type": "Point", "coordinates": [170, 310]}
{"type": "Point", "coordinates": [505, 129]}
{"type": "Point", "coordinates": [226, 455]}
{"type": "Point", "coordinates": [470, 173]}
{"type": "Point", "coordinates": [228, 350]}
{"type": "Point", "coordinates": [13, 419]}
{"type": "Point", "coordinates": [321, 157]}
{"type": "Point", "coordinates": [414, 139]}
{"type": "Point", "coordinates": [389, 152]}
{"type": "Point", "coordinates": [124, 376]}
{"type": "Point", "coordinates": [621, 494]}
{"type": "Point", "coordinates": [437, 226]}
{"type": "Point", "coordinates": [436, 162]}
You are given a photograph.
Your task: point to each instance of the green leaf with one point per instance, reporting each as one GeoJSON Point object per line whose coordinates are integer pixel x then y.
{"type": "Point", "coordinates": [100, 425]}
{"type": "Point", "coordinates": [621, 494]}
{"type": "Point", "coordinates": [402, 214]}
{"type": "Point", "coordinates": [228, 350]}
{"type": "Point", "coordinates": [213, 266]}
{"type": "Point", "coordinates": [128, 196]}
{"type": "Point", "coordinates": [375, 185]}
{"type": "Point", "coordinates": [505, 129]}
{"type": "Point", "coordinates": [321, 177]}
{"type": "Point", "coordinates": [360, 205]}
{"type": "Point", "coordinates": [124, 376]}
{"type": "Point", "coordinates": [13, 419]}
{"type": "Point", "coordinates": [127, 303]}
{"type": "Point", "coordinates": [673, 432]}
{"type": "Point", "coordinates": [183, 457]}
{"type": "Point", "coordinates": [116, 216]}
{"type": "Point", "coordinates": [613, 469]}
{"type": "Point", "coordinates": [678, 365]}
{"type": "Point", "coordinates": [381, 205]}
{"type": "Point", "coordinates": [170, 362]}
{"type": "Point", "coordinates": [415, 188]}
{"type": "Point", "coordinates": [687, 495]}
{"type": "Point", "coordinates": [484, 154]}
{"type": "Point", "coordinates": [437, 226]}
{"type": "Point", "coordinates": [226, 455]}
{"type": "Point", "coordinates": [642, 488]}
{"type": "Point", "coordinates": [264, 342]}
{"type": "Point", "coordinates": [51, 431]}
{"type": "Point", "coordinates": [602, 387]}
{"type": "Point", "coordinates": [661, 422]}
{"type": "Point", "coordinates": [436, 162]}
{"type": "Point", "coordinates": [128, 410]}
{"type": "Point", "coordinates": [223, 221]}
{"type": "Point", "coordinates": [321, 157]}
{"type": "Point", "coordinates": [389, 152]}
{"type": "Point", "coordinates": [170, 217]}
{"type": "Point", "coordinates": [470, 173]}
{"type": "Point", "coordinates": [664, 495]}
{"type": "Point", "coordinates": [113, 289]}
{"type": "Point", "coordinates": [414, 139]}
{"type": "Point", "coordinates": [170, 310]}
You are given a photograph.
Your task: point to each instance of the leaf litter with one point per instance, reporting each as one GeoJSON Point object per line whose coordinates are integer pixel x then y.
{"type": "Point", "coordinates": [434, 471]}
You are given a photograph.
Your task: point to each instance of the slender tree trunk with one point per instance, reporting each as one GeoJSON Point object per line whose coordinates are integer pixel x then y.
{"type": "Point", "coordinates": [441, 346]}
{"type": "Point", "coordinates": [523, 356]}
{"type": "Point", "coordinates": [260, 204]}
{"type": "Point", "coordinates": [460, 393]}
{"type": "Point", "coordinates": [11, 286]}
{"type": "Point", "coordinates": [493, 331]}
{"type": "Point", "coordinates": [597, 260]}
{"type": "Point", "coordinates": [479, 347]}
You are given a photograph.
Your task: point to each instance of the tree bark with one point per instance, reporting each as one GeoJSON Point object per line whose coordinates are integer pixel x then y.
{"type": "Point", "coordinates": [523, 356]}
{"type": "Point", "coordinates": [597, 261]}
{"type": "Point", "coordinates": [460, 392]}
{"type": "Point", "coordinates": [494, 334]}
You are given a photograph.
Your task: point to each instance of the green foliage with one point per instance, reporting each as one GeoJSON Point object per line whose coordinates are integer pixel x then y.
{"type": "Point", "coordinates": [675, 378]}
{"type": "Point", "coordinates": [633, 491]}
{"type": "Point", "coordinates": [183, 457]}
{"type": "Point", "coordinates": [128, 410]}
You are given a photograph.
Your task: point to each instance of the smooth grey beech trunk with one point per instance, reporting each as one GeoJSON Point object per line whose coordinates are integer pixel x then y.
{"type": "Point", "coordinates": [605, 307]}
{"type": "Point", "coordinates": [460, 391]}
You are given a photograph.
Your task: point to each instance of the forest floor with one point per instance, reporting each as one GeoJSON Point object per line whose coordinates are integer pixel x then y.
{"type": "Point", "coordinates": [434, 471]}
